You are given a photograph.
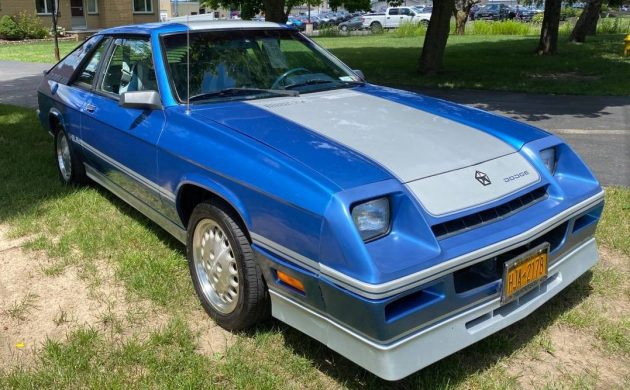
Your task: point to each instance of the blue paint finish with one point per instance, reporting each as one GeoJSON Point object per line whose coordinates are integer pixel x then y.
{"type": "Point", "coordinates": [315, 151]}
{"type": "Point", "coordinates": [511, 131]}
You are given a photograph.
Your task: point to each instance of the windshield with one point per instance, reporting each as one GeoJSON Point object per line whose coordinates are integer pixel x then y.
{"type": "Point", "coordinates": [250, 64]}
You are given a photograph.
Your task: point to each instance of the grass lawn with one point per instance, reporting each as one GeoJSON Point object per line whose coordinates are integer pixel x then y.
{"type": "Point", "coordinates": [35, 52]}
{"type": "Point", "coordinates": [504, 63]}
{"type": "Point", "coordinates": [580, 339]}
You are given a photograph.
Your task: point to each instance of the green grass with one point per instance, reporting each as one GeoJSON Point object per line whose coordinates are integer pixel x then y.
{"type": "Point", "coordinates": [493, 62]}
{"type": "Point", "coordinates": [614, 228]}
{"type": "Point", "coordinates": [85, 227]}
{"type": "Point", "coordinates": [35, 52]}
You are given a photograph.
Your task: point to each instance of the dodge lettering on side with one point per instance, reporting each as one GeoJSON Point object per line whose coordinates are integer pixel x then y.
{"type": "Point", "coordinates": [374, 220]}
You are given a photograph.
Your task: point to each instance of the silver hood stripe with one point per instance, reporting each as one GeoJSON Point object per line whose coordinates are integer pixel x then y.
{"type": "Point", "coordinates": [410, 143]}
{"type": "Point", "coordinates": [432, 154]}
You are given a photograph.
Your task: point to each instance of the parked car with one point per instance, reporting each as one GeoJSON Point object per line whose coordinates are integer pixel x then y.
{"type": "Point", "coordinates": [394, 17]}
{"type": "Point", "coordinates": [523, 13]}
{"type": "Point", "coordinates": [492, 12]}
{"type": "Point", "coordinates": [352, 24]}
{"type": "Point", "coordinates": [296, 23]}
{"type": "Point", "coordinates": [394, 228]}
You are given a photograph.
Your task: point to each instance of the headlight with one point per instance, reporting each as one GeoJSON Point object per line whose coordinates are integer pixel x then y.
{"type": "Point", "coordinates": [372, 218]}
{"type": "Point", "coordinates": [549, 159]}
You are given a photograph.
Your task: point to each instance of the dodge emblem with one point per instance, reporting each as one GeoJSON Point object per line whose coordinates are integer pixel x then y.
{"type": "Point", "coordinates": [482, 178]}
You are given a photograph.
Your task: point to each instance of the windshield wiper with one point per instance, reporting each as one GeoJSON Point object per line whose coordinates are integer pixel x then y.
{"type": "Point", "coordinates": [241, 91]}
{"type": "Point", "coordinates": [310, 82]}
{"type": "Point", "coordinates": [314, 82]}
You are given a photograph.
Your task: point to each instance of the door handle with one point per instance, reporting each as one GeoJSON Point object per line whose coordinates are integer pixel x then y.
{"type": "Point", "coordinates": [90, 108]}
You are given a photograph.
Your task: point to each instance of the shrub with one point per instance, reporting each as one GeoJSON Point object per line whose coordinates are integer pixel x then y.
{"type": "Point", "coordinates": [61, 32]}
{"type": "Point", "coordinates": [9, 29]}
{"type": "Point", "coordinates": [505, 27]}
{"type": "Point", "coordinates": [613, 26]}
{"type": "Point", "coordinates": [538, 18]}
{"type": "Point", "coordinates": [331, 31]}
{"type": "Point", "coordinates": [31, 26]}
{"type": "Point", "coordinates": [408, 29]}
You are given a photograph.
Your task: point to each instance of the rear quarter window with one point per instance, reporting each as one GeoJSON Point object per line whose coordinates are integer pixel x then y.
{"type": "Point", "coordinates": [63, 71]}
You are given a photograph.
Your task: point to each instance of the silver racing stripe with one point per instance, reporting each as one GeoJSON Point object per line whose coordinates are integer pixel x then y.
{"type": "Point", "coordinates": [410, 143]}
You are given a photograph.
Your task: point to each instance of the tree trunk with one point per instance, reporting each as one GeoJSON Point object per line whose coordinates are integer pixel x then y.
{"type": "Point", "coordinates": [274, 11]}
{"type": "Point", "coordinates": [436, 37]}
{"type": "Point", "coordinates": [548, 44]}
{"type": "Point", "coordinates": [587, 23]}
{"type": "Point", "coordinates": [461, 17]}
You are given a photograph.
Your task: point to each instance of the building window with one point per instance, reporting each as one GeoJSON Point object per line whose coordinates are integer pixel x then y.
{"type": "Point", "coordinates": [44, 7]}
{"type": "Point", "coordinates": [92, 6]}
{"type": "Point", "coordinates": [143, 6]}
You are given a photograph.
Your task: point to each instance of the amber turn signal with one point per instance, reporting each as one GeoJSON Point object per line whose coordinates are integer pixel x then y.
{"type": "Point", "coordinates": [290, 280]}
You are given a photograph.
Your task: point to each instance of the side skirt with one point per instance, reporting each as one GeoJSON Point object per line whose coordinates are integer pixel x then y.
{"type": "Point", "coordinates": [175, 230]}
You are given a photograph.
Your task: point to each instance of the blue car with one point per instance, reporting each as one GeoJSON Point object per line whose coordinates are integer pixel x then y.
{"type": "Point", "coordinates": [393, 227]}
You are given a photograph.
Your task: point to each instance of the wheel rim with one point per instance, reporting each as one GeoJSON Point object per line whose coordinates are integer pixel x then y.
{"type": "Point", "coordinates": [63, 157]}
{"type": "Point", "coordinates": [216, 266]}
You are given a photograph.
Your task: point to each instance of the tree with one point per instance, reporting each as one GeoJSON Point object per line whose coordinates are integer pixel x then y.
{"type": "Point", "coordinates": [436, 37]}
{"type": "Point", "coordinates": [351, 5]}
{"type": "Point", "coordinates": [54, 29]}
{"type": "Point", "coordinates": [548, 44]}
{"type": "Point", "coordinates": [461, 11]}
{"type": "Point", "coordinates": [587, 23]}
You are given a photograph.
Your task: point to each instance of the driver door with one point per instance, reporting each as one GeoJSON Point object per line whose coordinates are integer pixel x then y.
{"type": "Point", "coordinates": [120, 143]}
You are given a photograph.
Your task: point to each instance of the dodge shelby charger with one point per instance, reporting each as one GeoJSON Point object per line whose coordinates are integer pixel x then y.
{"type": "Point", "coordinates": [393, 227]}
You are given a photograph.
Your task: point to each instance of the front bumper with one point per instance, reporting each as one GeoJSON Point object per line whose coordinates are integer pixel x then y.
{"type": "Point", "coordinates": [396, 360]}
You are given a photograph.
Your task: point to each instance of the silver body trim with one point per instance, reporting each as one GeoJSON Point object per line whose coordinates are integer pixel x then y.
{"type": "Point", "coordinates": [123, 168]}
{"type": "Point", "coordinates": [383, 290]}
{"type": "Point", "coordinates": [398, 359]}
{"type": "Point", "coordinates": [136, 203]}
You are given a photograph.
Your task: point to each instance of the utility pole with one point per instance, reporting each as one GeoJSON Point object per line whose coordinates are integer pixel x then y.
{"type": "Point", "coordinates": [54, 22]}
{"type": "Point", "coordinates": [176, 8]}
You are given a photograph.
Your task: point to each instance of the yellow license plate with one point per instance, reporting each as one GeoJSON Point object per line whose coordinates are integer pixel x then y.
{"type": "Point", "coordinates": [525, 272]}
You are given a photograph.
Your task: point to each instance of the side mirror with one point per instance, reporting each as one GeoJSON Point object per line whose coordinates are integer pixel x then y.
{"type": "Point", "coordinates": [360, 74]}
{"type": "Point", "coordinates": [149, 100]}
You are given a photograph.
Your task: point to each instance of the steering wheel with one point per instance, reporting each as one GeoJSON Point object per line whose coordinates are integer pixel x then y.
{"type": "Point", "coordinates": [287, 74]}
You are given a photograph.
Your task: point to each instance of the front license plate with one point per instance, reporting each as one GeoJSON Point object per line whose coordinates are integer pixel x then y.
{"type": "Point", "coordinates": [524, 272]}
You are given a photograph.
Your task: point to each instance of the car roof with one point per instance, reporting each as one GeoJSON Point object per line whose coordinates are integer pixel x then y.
{"type": "Point", "coordinates": [198, 22]}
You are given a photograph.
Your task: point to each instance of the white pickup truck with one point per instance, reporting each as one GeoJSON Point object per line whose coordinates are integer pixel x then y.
{"type": "Point", "coordinates": [394, 17]}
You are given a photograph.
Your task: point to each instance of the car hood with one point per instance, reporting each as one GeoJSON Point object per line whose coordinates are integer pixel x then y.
{"type": "Point", "coordinates": [409, 136]}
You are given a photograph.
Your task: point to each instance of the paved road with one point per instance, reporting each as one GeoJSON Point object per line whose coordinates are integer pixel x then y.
{"type": "Point", "coordinates": [597, 127]}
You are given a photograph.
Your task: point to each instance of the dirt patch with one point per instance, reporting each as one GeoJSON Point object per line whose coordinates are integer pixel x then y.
{"type": "Point", "coordinates": [35, 306]}
{"type": "Point", "coordinates": [573, 358]}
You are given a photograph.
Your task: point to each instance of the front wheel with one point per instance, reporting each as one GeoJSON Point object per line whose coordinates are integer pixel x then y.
{"type": "Point", "coordinates": [226, 277]}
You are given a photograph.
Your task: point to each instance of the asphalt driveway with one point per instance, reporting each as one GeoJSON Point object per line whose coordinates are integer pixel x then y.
{"type": "Point", "coordinates": [598, 127]}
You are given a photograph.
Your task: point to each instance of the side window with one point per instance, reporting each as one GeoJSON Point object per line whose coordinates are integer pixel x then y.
{"type": "Point", "coordinates": [130, 68]}
{"type": "Point", "coordinates": [405, 11]}
{"type": "Point", "coordinates": [393, 11]}
{"type": "Point", "coordinates": [88, 72]}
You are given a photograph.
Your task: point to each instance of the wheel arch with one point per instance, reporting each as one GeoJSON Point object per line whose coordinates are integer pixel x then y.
{"type": "Point", "coordinates": [55, 119]}
{"type": "Point", "coordinates": [193, 191]}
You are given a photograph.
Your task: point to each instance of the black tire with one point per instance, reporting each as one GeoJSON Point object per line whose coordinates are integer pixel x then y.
{"type": "Point", "coordinates": [344, 28]}
{"type": "Point", "coordinates": [73, 173]}
{"type": "Point", "coordinates": [252, 304]}
{"type": "Point", "coordinates": [376, 27]}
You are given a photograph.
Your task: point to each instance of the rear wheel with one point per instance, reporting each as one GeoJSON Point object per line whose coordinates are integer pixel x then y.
{"type": "Point", "coordinates": [69, 163]}
{"type": "Point", "coordinates": [344, 28]}
{"type": "Point", "coordinates": [376, 27]}
{"type": "Point", "coordinates": [226, 277]}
